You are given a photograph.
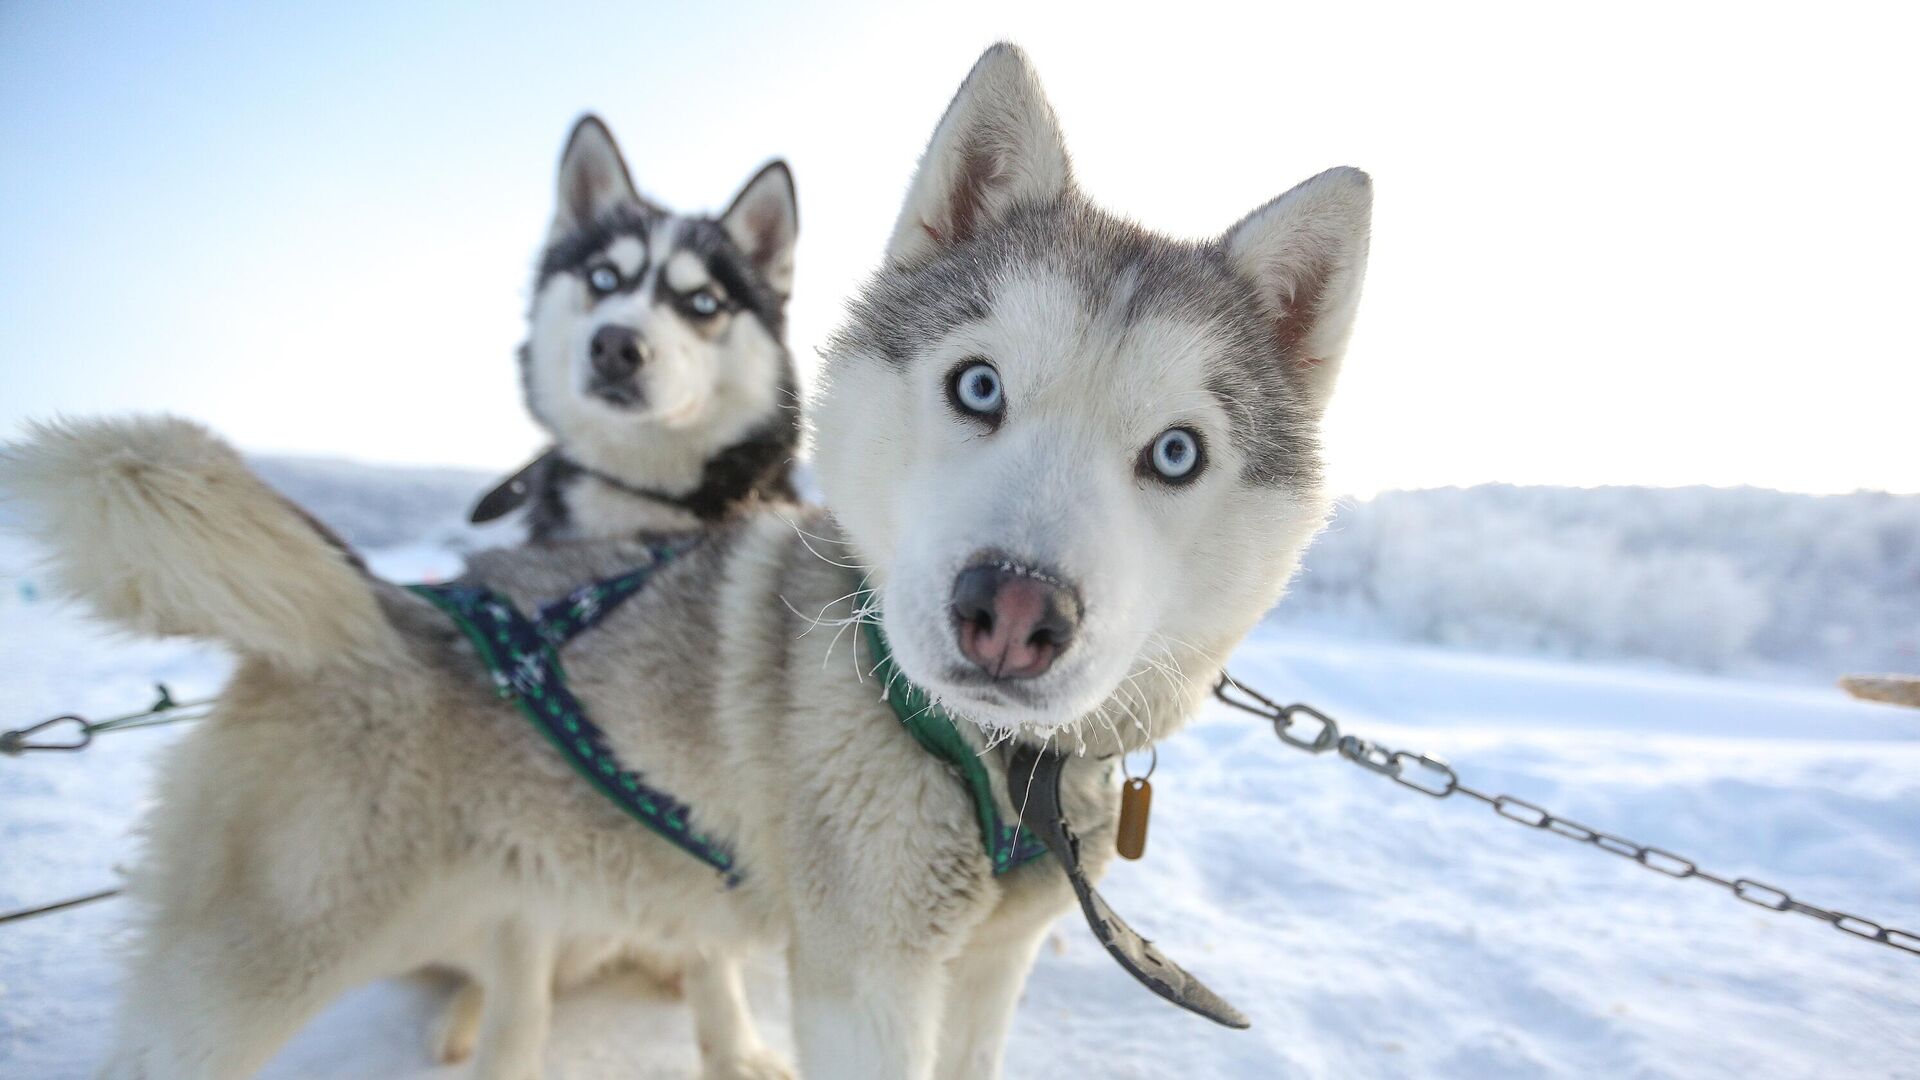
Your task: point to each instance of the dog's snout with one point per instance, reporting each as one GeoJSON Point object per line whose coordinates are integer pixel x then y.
{"type": "Point", "coordinates": [1013, 621]}
{"type": "Point", "coordinates": [618, 352]}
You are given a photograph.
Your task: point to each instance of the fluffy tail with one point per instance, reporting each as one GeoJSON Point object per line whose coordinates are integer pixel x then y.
{"type": "Point", "coordinates": [162, 528]}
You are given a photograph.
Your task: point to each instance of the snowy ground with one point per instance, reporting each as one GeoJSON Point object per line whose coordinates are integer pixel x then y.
{"type": "Point", "coordinates": [1367, 930]}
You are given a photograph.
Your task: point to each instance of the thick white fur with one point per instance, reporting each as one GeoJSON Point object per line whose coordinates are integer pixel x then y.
{"type": "Point", "coordinates": [160, 526]}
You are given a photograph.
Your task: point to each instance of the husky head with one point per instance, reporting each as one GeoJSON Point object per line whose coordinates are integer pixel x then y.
{"type": "Point", "coordinates": [657, 339]}
{"type": "Point", "coordinates": [1080, 459]}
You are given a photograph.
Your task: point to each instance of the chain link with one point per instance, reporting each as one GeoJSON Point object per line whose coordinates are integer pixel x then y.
{"type": "Point", "coordinates": [1434, 777]}
{"type": "Point", "coordinates": [165, 710]}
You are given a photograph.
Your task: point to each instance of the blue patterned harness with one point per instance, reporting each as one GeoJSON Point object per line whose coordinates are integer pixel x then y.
{"type": "Point", "coordinates": [524, 657]}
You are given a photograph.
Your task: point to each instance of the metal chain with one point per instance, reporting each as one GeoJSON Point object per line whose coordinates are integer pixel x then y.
{"type": "Point", "coordinates": [1304, 727]}
{"type": "Point", "coordinates": [163, 711]}
{"type": "Point", "coordinates": [1424, 773]}
{"type": "Point", "coordinates": [58, 905]}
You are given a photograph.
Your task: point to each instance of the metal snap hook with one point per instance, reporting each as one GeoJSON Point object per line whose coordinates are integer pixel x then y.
{"type": "Point", "coordinates": [14, 743]}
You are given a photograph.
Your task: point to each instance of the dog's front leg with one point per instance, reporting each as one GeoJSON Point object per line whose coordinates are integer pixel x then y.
{"type": "Point", "coordinates": [518, 1005]}
{"type": "Point", "coordinates": [983, 988]}
{"type": "Point", "coordinates": [864, 1010]}
{"type": "Point", "coordinates": [730, 1047]}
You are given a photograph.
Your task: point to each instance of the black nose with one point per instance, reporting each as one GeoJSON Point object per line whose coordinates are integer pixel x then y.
{"type": "Point", "coordinates": [617, 352]}
{"type": "Point", "coordinates": [1012, 621]}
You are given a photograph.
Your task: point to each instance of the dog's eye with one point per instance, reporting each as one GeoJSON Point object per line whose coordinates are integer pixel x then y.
{"type": "Point", "coordinates": [974, 388]}
{"type": "Point", "coordinates": [1175, 456]}
{"type": "Point", "coordinates": [603, 278]}
{"type": "Point", "coordinates": [703, 304]}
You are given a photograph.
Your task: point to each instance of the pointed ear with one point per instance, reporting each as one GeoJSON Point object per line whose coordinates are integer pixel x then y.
{"type": "Point", "coordinates": [764, 222]}
{"type": "Point", "coordinates": [593, 175]}
{"type": "Point", "coordinates": [1306, 251]}
{"type": "Point", "coordinates": [998, 146]}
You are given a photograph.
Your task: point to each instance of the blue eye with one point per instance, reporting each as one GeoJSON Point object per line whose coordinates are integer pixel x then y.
{"type": "Point", "coordinates": [975, 388]}
{"type": "Point", "coordinates": [1175, 455]}
{"type": "Point", "coordinates": [603, 278]}
{"type": "Point", "coordinates": [703, 304]}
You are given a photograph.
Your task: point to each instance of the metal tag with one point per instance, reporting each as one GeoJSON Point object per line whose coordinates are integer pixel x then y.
{"type": "Point", "coordinates": [1136, 801]}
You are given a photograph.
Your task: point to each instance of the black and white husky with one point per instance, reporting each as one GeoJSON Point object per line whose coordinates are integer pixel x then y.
{"type": "Point", "coordinates": [656, 356]}
{"type": "Point", "coordinates": [1074, 461]}
{"type": "Point", "coordinates": [656, 360]}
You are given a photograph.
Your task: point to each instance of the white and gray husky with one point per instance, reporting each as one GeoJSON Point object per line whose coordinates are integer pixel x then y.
{"type": "Point", "coordinates": [1074, 461]}
{"type": "Point", "coordinates": [656, 355]}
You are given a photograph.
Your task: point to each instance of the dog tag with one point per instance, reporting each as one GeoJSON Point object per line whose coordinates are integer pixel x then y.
{"type": "Point", "coordinates": [1136, 799]}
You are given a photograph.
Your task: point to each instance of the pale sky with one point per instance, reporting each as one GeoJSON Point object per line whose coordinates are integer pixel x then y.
{"type": "Point", "coordinates": [1613, 244]}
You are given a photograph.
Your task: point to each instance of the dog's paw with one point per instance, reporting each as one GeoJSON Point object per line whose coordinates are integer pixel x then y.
{"type": "Point", "coordinates": [757, 1064]}
{"type": "Point", "coordinates": [457, 1030]}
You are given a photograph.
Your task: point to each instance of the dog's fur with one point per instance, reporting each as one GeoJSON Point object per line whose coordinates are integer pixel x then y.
{"type": "Point", "coordinates": [362, 801]}
{"type": "Point", "coordinates": [709, 422]}
{"type": "Point", "coordinates": [709, 425]}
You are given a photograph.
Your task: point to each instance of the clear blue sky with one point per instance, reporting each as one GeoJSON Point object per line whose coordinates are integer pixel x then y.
{"type": "Point", "coordinates": [1618, 245]}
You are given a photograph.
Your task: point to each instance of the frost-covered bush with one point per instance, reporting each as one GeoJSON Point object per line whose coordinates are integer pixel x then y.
{"type": "Point", "coordinates": [1700, 577]}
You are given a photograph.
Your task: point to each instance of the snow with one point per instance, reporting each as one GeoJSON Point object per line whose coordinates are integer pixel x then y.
{"type": "Point", "coordinates": [1368, 930]}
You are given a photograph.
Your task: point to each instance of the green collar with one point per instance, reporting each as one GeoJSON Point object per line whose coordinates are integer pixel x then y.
{"type": "Point", "coordinates": [1009, 846]}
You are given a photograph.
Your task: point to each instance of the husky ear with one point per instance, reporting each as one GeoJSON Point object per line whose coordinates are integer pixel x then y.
{"type": "Point", "coordinates": [1307, 253]}
{"type": "Point", "coordinates": [764, 222]}
{"type": "Point", "coordinates": [593, 175]}
{"type": "Point", "coordinates": [998, 146]}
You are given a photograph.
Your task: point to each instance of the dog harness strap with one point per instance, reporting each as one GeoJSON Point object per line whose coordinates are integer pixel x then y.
{"type": "Point", "coordinates": [523, 656]}
{"type": "Point", "coordinates": [512, 493]}
{"type": "Point", "coordinates": [1008, 846]}
{"type": "Point", "coordinates": [562, 620]}
{"type": "Point", "coordinates": [729, 477]}
{"type": "Point", "coordinates": [1038, 773]}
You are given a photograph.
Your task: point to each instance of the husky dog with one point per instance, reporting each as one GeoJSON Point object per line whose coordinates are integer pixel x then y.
{"type": "Point", "coordinates": [656, 355]}
{"type": "Point", "coordinates": [656, 361]}
{"type": "Point", "coordinates": [1073, 461]}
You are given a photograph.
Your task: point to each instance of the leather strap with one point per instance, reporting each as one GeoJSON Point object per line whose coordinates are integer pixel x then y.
{"type": "Point", "coordinates": [761, 462]}
{"type": "Point", "coordinates": [510, 494]}
{"type": "Point", "coordinates": [514, 492]}
{"type": "Point", "coordinates": [1036, 774]}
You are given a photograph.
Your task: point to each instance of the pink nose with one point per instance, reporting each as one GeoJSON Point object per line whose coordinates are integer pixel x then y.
{"type": "Point", "coordinates": [1012, 622]}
